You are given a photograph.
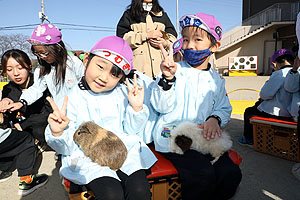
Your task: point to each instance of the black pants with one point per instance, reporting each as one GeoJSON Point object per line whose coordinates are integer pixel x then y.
{"type": "Point", "coordinates": [18, 151]}
{"type": "Point", "coordinates": [202, 180]}
{"type": "Point", "coordinates": [37, 131]}
{"type": "Point", "coordinates": [133, 187]}
{"type": "Point", "coordinates": [36, 125]}
{"type": "Point", "coordinates": [253, 111]}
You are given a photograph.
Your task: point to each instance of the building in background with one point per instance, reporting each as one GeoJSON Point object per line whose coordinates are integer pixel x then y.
{"type": "Point", "coordinates": [267, 25]}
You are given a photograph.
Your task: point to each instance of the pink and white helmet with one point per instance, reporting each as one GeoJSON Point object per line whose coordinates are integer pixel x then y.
{"type": "Point", "coordinates": [116, 50]}
{"type": "Point", "coordinates": [45, 34]}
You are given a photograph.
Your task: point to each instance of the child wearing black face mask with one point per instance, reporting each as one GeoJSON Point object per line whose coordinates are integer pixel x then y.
{"type": "Point", "coordinates": [190, 90]}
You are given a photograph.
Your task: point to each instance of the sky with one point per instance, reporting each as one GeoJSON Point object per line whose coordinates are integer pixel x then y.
{"type": "Point", "coordinates": [94, 19]}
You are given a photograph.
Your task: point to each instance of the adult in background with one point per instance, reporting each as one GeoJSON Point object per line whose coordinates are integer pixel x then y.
{"type": "Point", "coordinates": [145, 25]}
{"type": "Point", "coordinates": [32, 118]}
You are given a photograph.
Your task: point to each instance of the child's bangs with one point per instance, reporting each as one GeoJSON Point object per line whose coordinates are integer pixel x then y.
{"type": "Point", "coordinates": [208, 35]}
{"type": "Point", "coordinates": [116, 71]}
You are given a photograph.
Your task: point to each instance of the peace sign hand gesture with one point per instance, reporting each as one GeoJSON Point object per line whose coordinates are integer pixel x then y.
{"type": "Point", "coordinates": [58, 120]}
{"type": "Point", "coordinates": [168, 67]}
{"type": "Point", "coordinates": [135, 94]}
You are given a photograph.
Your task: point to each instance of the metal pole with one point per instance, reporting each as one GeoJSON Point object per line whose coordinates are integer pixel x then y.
{"type": "Point", "coordinates": [43, 12]}
{"type": "Point", "coordinates": [177, 22]}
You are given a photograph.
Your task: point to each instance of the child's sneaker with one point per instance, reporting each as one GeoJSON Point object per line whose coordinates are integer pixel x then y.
{"type": "Point", "coordinates": [4, 176]}
{"type": "Point", "coordinates": [244, 141]}
{"type": "Point", "coordinates": [37, 181]}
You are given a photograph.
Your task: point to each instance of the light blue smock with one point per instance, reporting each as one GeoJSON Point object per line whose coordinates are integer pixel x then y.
{"type": "Point", "coordinates": [74, 71]}
{"type": "Point", "coordinates": [148, 83]}
{"type": "Point", "coordinates": [277, 100]}
{"type": "Point", "coordinates": [196, 95]}
{"type": "Point", "coordinates": [111, 111]}
{"type": "Point", "coordinates": [4, 133]}
{"type": "Point", "coordinates": [291, 84]}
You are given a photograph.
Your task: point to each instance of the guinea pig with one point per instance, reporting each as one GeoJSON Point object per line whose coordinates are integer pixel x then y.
{"type": "Point", "coordinates": [187, 135]}
{"type": "Point", "coordinates": [100, 145]}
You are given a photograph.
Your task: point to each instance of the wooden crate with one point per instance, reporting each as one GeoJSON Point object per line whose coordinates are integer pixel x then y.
{"type": "Point", "coordinates": [165, 188]}
{"type": "Point", "coordinates": [163, 180]}
{"type": "Point", "coordinates": [276, 137]}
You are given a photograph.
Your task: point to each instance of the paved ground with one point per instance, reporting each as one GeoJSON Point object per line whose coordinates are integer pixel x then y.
{"type": "Point", "coordinates": [264, 177]}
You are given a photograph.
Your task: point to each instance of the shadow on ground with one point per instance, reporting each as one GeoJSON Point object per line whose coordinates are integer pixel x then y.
{"type": "Point", "coordinates": [53, 189]}
{"type": "Point", "coordinates": [264, 176]}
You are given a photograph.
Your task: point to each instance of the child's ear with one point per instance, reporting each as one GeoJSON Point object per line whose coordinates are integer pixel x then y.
{"type": "Point", "coordinates": [85, 58]}
{"type": "Point", "coordinates": [215, 47]}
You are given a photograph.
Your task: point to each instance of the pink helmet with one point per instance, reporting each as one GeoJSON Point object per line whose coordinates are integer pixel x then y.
{"type": "Point", "coordinates": [116, 50]}
{"type": "Point", "coordinates": [45, 34]}
{"type": "Point", "coordinates": [204, 21]}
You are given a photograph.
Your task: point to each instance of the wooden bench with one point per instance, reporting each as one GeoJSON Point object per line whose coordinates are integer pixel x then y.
{"type": "Point", "coordinates": [276, 137]}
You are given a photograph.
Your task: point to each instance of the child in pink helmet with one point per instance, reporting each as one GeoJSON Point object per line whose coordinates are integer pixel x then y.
{"type": "Point", "coordinates": [190, 90]}
{"type": "Point", "coordinates": [58, 71]}
{"type": "Point", "coordinates": [100, 97]}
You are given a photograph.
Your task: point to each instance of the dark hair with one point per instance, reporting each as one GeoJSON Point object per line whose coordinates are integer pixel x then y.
{"type": "Point", "coordinates": [20, 56]}
{"type": "Point", "coordinates": [115, 70]}
{"type": "Point", "coordinates": [287, 57]}
{"type": "Point", "coordinates": [130, 75]}
{"type": "Point", "coordinates": [59, 52]}
{"type": "Point", "coordinates": [136, 9]}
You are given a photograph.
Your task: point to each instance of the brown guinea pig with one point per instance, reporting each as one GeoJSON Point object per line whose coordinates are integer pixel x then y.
{"type": "Point", "coordinates": [102, 146]}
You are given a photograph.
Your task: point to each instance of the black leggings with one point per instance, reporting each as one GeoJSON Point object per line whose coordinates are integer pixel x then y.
{"type": "Point", "coordinates": [18, 151]}
{"type": "Point", "coordinates": [133, 187]}
{"type": "Point", "coordinates": [202, 180]}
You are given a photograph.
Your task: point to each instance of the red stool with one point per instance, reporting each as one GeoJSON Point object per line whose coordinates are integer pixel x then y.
{"type": "Point", "coordinates": [86, 195]}
{"type": "Point", "coordinates": [164, 179]}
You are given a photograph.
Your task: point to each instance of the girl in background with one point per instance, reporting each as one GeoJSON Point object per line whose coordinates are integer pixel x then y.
{"type": "Point", "coordinates": [145, 25]}
{"type": "Point", "coordinates": [58, 71]}
{"type": "Point", "coordinates": [33, 118]}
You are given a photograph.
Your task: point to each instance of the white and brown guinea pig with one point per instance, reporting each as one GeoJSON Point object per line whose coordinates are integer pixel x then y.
{"type": "Point", "coordinates": [102, 146]}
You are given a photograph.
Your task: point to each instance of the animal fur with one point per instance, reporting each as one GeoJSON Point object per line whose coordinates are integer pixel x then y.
{"type": "Point", "coordinates": [102, 146]}
{"type": "Point", "coordinates": [188, 135]}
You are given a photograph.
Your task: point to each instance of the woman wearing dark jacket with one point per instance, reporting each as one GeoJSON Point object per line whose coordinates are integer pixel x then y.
{"type": "Point", "coordinates": [145, 25]}
{"type": "Point", "coordinates": [32, 118]}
